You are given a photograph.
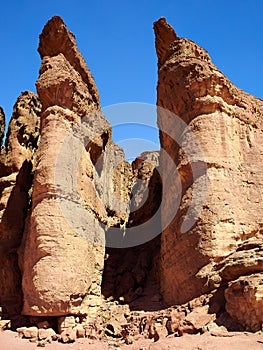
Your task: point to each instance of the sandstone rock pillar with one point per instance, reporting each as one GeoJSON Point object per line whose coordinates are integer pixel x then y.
{"type": "Point", "coordinates": [227, 123]}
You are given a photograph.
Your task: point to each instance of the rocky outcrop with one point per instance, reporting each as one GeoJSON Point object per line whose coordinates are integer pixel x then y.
{"type": "Point", "coordinates": [56, 39]}
{"type": "Point", "coordinates": [216, 171]}
{"type": "Point", "coordinates": [146, 190]}
{"type": "Point", "coordinates": [82, 231]}
{"type": "Point", "coordinates": [245, 260]}
{"type": "Point", "coordinates": [17, 161]}
{"type": "Point", "coordinates": [22, 135]}
{"type": "Point", "coordinates": [73, 188]}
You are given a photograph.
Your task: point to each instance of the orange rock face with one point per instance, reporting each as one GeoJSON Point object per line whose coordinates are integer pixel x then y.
{"type": "Point", "coordinates": [63, 255]}
{"type": "Point", "coordinates": [244, 298]}
{"type": "Point", "coordinates": [227, 126]}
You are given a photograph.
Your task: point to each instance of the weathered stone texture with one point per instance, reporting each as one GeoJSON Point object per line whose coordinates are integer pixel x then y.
{"type": "Point", "coordinates": [228, 126]}
{"type": "Point", "coordinates": [17, 161]}
{"type": "Point", "coordinates": [244, 298]}
{"type": "Point", "coordinates": [22, 134]}
{"type": "Point", "coordinates": [73, 188]}
{"type": "Point", "coordinates": [56, 39]}
{"type": "Point", "coordinates": [66, 192]}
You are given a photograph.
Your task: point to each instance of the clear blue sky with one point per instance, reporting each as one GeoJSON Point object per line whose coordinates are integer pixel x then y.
{"type": "Point", "coordinates": [116, 39]}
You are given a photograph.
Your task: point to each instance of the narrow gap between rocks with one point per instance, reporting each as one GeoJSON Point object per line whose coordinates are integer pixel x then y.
{"type": "Point", "coordinates": [131, 275]}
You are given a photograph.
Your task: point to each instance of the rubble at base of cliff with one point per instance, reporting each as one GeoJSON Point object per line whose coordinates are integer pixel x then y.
{"type": "Point", "coordinates": [117, 324]}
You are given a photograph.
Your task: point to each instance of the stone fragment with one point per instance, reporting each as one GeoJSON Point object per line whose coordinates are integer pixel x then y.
{"type": "Point", "coordinates": [65, 322]}
{"type": "Point", "coordinates": [80, 331]}
{"type": "Point", "coordinates": [186, 327]}
{"type": "Point", "coordinates": [28, 332]}
{"type": "Point", "coordinates": [46, 333]}
{"type": "Point", "coordinates": [68, 336]}
{"type": "Point", "coordinates": [174, 323]}
{"type": "Point", "coordinates": [244, 301]}
{"type": "Point", "coordinates": [5, 324]}
{"type": "Point", "coordinates": [200, 317]}
{"type": "Point", "coordinates": [161, 330]}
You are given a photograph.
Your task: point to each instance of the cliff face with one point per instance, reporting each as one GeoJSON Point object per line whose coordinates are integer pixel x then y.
{"type": "Point", "coordinates": [224, 174]}
{"type": "Point", "coordinates": [69, 202]}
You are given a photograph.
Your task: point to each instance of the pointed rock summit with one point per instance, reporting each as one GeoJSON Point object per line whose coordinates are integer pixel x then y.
{"type": "Point", "coordinates": [56, 39]}
{"type": "Point", "coordinates": [164, 36]}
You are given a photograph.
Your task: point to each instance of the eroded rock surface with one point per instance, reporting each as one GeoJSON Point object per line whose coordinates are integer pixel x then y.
{"type": "Point", "coordinates": [244, 298]}
{"type": "Point", "coordinates": [17, 162]}
{"type": "Point", "coordinates": [67, 192]}
{"type": "Point", "coordinates": [227, 123]}
{"type": "Point", "coordinates": [73, 185]}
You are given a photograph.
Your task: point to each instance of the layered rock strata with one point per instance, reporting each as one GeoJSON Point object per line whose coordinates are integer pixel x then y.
{"type": "Point", "coordinates": [216, 170]}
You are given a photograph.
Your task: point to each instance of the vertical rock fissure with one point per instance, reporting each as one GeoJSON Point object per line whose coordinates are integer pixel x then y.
{"type": "Point", "coordinates": [131, 274]}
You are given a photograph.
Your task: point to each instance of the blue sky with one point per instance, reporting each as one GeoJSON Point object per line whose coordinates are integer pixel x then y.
{"type": "Point", "coordinates": [116, 39]}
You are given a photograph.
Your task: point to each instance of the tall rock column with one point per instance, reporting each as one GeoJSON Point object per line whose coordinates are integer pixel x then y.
{"type": "Point", "coordinates": [63, 253]}
{"type": "Point", "coordinates": [227, 123]}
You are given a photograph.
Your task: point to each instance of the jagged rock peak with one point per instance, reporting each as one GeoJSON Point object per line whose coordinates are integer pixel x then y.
{"type": "Point", "coordinates": [167, 43]}
{"type": "Point", "coordinates": [56, 39]}
{"type": "Point", "coordinates": [164, 36]}
{"type": "Point", "coordinates": [22, 135]}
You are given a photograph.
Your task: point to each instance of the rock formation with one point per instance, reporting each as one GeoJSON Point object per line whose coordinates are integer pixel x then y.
{"type": "Point", "coordinates": [226, 172]}
{"type": "Point", "coordinates": [64, 236]}
{"type": "Point", "coordinates": [16, 165]}
{"type": "Point", "coordinates": [82, 231]}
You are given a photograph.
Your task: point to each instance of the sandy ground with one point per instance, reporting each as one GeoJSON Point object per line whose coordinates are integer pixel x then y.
{"type": "Point", "coordinates": [223, 341]}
